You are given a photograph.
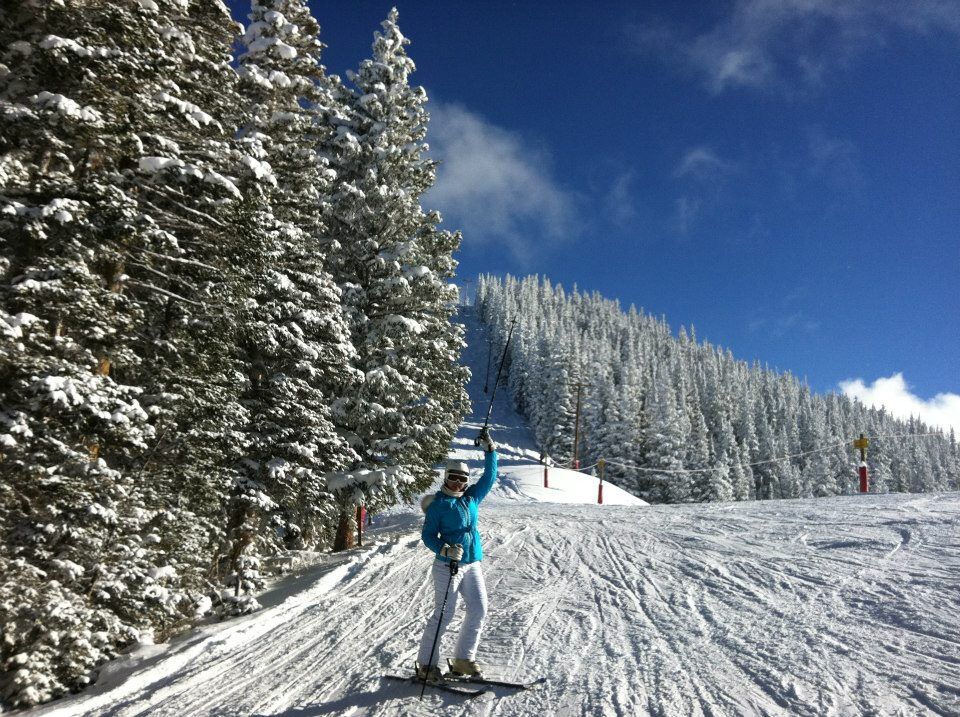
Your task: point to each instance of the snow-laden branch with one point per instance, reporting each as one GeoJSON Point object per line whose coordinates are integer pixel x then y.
{"type": "Point", "coordinates": [362, 481]}
{"type": "Point", "coordinates": [178, 222]}
{"type": "Point", "coordinates": [167, 257]}
{"type": "Point", "coordinates": [163, 191]}
{"type": "Point", "coordinates": [162, 275]}
{"type": "Point", "coordinates": [157, 289]}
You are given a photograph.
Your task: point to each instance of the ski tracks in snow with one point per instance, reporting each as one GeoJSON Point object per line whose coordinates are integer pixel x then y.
{"type": "Point", "coordinates": [833, 607]}
{"type": "Point", "coordinates": [670, 610]}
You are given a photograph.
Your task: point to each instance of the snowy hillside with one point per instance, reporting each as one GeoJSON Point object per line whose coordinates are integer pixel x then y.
{"type": "Point", "coordinates": [522, 474]}
{"type": "Point", "coordinates": [838, 606]}
{"type": "Point", "coordinates": [678, 420]}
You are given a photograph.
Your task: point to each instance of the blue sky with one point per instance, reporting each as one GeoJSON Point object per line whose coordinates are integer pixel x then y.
{"type": "Point", "coordinates": [782, 174]}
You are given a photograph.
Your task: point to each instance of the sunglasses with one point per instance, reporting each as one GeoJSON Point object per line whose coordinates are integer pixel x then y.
{"type": "Point", "coordinates": [458, 478]}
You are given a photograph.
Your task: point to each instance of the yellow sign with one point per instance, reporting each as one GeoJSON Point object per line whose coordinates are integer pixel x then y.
{"type": "Point", "coordinates": [861, 443]}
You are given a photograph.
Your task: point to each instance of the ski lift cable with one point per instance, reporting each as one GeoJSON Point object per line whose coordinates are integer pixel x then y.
{"type": "Point", "coordinates": [781, 459]}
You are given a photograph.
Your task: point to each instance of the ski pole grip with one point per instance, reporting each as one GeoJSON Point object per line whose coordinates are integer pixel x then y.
{"type": "Point", "coordinates": [454, 567]}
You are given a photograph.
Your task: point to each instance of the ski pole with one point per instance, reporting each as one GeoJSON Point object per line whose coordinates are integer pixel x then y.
{"type": "Point", "coordinates": [486, 380]}
{"type": "Point", "coordinates": [476, 441]}
{"type": "Point", "coordinates": [454, 566]}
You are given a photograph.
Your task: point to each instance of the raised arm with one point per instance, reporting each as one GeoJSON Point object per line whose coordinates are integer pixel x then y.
{"type": "Point", "coordinates": [483, 486]}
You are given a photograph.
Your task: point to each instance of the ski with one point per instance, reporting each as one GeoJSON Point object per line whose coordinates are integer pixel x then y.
{"type": "Point", "coordinates": [466, 679]}
{"type": "Point", "coordinates": [481, 680]}
{"type": "Point", "coordinates": [442, 685]}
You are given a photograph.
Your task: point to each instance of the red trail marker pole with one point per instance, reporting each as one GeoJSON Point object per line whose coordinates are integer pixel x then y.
{"type": "Point", "coordinates": [600, 464]}
{"type": "Point", "coordinates": [862, 444]}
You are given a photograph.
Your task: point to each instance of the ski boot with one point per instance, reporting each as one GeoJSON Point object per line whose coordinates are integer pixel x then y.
{"type": "Point", "coordinates": [429, 673]}
{"type": "Point", "coordinates": [464, 668]}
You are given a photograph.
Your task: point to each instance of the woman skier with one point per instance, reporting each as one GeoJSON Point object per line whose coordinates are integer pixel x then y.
{"type": "Point", "coordinates": [450, 531]}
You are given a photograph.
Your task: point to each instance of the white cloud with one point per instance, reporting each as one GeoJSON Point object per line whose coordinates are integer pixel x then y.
{"type": "Point", "coordinates": [787, 324]}
{"type": "Point", "coordinates": [894, 395]}
{"type": "Point", "coordinates": [704, 174]}
{"type": "Point", "coordinates": [686, 211]}
{"type": "Point", "coordinates": [790, 44]}
{"type": "Point", "coordinates": [619, 202]}
{"type": "Point", "coordinates": [834, 159]}
{"type": "Point", "coordinates": [492, 185]}
{"type": "Point", "coordinates": [701, 163]}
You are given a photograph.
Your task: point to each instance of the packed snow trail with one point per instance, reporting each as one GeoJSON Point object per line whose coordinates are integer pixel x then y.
{"type": "Point", "coordinates": [841, 606]}
{"type": "Point", "coordinates": [835, 606]}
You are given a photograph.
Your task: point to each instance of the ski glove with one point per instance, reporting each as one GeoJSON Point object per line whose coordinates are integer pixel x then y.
{"type": "Point", "coordinates": [485, 441]}
{"type": "Point", "coordinates": [454, 552]}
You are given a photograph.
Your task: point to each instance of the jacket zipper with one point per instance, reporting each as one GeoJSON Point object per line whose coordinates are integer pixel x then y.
{"type": "Point", "coordinates": [465, 515]}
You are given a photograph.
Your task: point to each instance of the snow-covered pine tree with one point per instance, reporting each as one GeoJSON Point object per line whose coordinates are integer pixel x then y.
{"type": "Point", "coordinates": [427, 266]}
{"type": "Point", "coordinates": [779, 441]}
{"type": "Point", "coordinates": [120, 383]}
{"type": "Point", "coordinates": [765, 473]}
{"type": "Point", "coordinates": [294, 342]}
{"type": "Point", "coordinates": [67, 426]}
{"type": "Point", "coordinates": [290, 100]}
{"type": "Point", "coordinates": [787, 476]}
{"type": "Point", "coordinates": [741, 476]}
{"type": "Point", "coordinates": [952, 463]}
{"type": "Point", "coordinates": [666, 442]}
{"type": "Point", "coordinates": [634, 441]}
{"type": "Point", "coordinates": [594, 408]}
{"type": "Point", "coordinates": [186, 163]}
{"type": "Point", "coordinates": [700, 451]}
{"type": "Point", "coordinates": [745, 430]}
{"type": "Point", "coordinates": [726, 481]}
{"type": "Point", "coordinates": [390, 267]}
{"type": "Point", "coordinates": [922, 472]}
{"type": "Point", "coordinates": [558, 405]}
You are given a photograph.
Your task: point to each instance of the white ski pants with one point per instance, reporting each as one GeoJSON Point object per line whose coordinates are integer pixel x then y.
{"type": "Point", "coordinates": [467, 583]}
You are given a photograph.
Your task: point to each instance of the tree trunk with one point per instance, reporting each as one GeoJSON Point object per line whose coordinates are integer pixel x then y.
{"type": "Point", "coordinates": [345, 531]}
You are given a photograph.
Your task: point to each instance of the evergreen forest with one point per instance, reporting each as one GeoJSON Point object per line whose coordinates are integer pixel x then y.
{"type": "Point", "coordinates": [227, 321]}
{"type": "Point", "coordinates": [676, 420]}
{"type": "Point", "coordinates": [224, 315]}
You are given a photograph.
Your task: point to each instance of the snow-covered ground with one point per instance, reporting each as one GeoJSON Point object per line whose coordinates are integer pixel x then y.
{"type": "Point", "coordinates": [841, 606]}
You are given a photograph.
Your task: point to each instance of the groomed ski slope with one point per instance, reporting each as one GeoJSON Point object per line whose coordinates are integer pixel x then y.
{"type": "Point", "coordinates": [842, 606]}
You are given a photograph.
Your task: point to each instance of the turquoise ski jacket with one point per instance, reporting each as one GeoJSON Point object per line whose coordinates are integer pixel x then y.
{"type": "Point", "coordinates": [454, 520]}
